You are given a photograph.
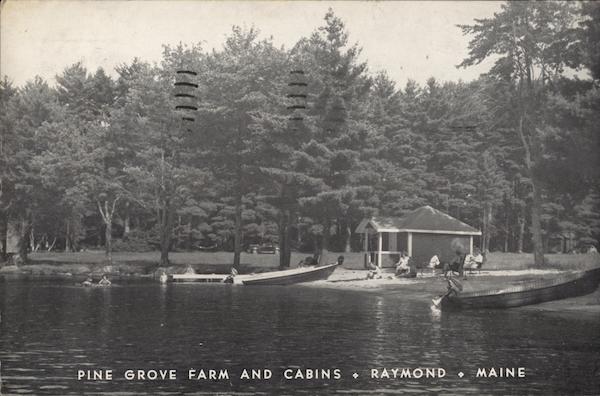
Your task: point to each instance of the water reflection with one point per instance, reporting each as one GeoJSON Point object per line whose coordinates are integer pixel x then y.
{"type": "Point", "coordinates": [47, 332]}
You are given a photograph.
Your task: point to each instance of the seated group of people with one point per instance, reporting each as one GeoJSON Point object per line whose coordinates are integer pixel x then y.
{"type": "Point", "coordinates": [405, 267]}
{"type": "Point", "coordinates": [462, 262]}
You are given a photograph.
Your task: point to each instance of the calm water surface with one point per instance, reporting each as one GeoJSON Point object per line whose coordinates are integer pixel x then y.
{"type": "Point", "coordinates": [49, 331]}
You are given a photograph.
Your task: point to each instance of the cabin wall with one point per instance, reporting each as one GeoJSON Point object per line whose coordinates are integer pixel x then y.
{"type": "Point", "coordinates": [424, 246]}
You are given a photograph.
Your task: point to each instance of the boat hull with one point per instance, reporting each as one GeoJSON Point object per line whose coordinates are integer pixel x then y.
{"type": "Point", "coordinates": [538, 292]}
{"type": "Point", "coordinates": [289, 277]}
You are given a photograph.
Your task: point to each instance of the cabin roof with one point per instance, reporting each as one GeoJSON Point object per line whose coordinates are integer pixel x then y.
{"type": "Point", "coordinates": [422, 220]}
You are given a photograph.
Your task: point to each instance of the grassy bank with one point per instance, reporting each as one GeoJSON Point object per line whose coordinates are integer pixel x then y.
{"type": "Point", "coordinates": [146, 264]}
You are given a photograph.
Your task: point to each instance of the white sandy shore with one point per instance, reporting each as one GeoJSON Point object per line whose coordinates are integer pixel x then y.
{"type": "Point", "coordinates": [344, 275]}
{"type": "Point", "coordinates": [356, 279]}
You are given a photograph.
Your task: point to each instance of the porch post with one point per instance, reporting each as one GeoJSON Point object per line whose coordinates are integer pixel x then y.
{"type": "Point", "coordinates": [409, 244]}
{"type": "Point", "coordinates": [471, 244]}
{"type": "Point", "coordinates": [379, 248]}
{"type": "Point", "coordinates": [366, 248]}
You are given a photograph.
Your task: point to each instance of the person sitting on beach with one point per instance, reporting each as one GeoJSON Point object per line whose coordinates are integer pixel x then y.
{"type": "Point", "coordinates": [87, 282]}
{"type": "Point", "coordinates": [402, 264]}
{"type": "Point", "coordinates": [104, 281]}
{"type": "Point", "coordinates": [412, 270]}
{"type": "Point", "coordinates": [470, 262]}
{"type": "Point", "coordinates": [312, 261]}
{"type": "Point", "coordinates": [434, 262]}
{"type": "Point", "coordinates": [374, 271]}
{"type": "Point", "coordinates": [457, 265]}
{"type": "Point", "coordinates": [478, 259]}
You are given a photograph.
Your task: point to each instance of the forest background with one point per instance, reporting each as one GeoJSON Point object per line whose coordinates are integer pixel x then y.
{"type": "Point", "coordinates": [261, 144]}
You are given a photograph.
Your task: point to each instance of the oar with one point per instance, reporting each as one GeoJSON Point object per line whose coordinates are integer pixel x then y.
{"type": "Point", "coordinates": [453, 286]}
{"type": "Point", "coordinates": [437, 301]}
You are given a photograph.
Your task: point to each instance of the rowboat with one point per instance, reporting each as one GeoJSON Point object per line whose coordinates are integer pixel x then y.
{"type": "Point", "coordinates": [288, 277]}
{"type": "Point", "coordinates": [565, 286]}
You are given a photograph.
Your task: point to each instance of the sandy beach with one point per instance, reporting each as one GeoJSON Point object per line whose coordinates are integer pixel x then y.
{"type": "Point", "coordinates": [427, 285]}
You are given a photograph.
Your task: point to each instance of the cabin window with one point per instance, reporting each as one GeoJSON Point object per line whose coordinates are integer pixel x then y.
{"type": "Point", "coordinates": [401, 241]}
{"type": "Point", "coordinates": [385, 243]}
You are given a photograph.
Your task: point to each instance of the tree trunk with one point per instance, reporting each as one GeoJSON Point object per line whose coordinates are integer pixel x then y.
{"type": "Point", "coordinates": [108, 239]}
{"type": "Point", "coordinates": [521, 237]}
{"type": "Point", "coordinates": [49, 249]}
{"type": "Point", "coordinates": [348, 245]}
{"type": "Point", "coordinates": [283, 238]}
{"type": "Point", "coordinates": [31, 239]}
{"type": "Point", "coordinates": [3, 235]}
{"type": "Point", "coordinates": [484, 227]}
{"type": "Point", "coordinates": [324, 251]}
{"type": "Point", "coordinates": [506, 233]}
{"type": "Point", "coordinates": [237, 238]}
{"type": "Point", "coordinates": [285, 251]}
{"type": "Point", "coordinates": [179, 233]}
{"type": "Point", "coordinates": [107, 214]}
{"type": "Point", "coordinates": [68, 247]}
{"type": "Point", "coordinates": [23, 243]}
{"type": "Point", "coordinates": [126, 223]}
{"type": "Point", "coordinates": [166, 230]}
{"type": "Point", "coordinates": [488, 222]}
{"type": "Point", "coordinates": [188, 242]}
{"type": "Point", "coordinates": [531, 146]}
{"type": "Point", "coordinates": [99, 241]}
{"type": "Point", "coordinates": [536, 225]}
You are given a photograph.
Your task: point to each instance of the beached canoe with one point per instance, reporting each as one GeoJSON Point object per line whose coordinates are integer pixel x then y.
{"type": "Point", "coordinates": [288, 277]}
{"type": "Point", "coordinates": [564, 286]}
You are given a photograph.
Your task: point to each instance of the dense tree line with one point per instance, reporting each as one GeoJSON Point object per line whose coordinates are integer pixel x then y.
{"type": "Point", "coordinates": [296, 146]}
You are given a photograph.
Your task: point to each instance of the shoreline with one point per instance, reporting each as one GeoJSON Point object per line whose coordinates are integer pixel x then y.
{"type": "Point", "coordinates": [422, 288]}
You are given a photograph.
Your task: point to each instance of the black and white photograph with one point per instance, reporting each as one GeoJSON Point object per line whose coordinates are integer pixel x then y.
{"type": "Point", "coordinates": [299, 197]}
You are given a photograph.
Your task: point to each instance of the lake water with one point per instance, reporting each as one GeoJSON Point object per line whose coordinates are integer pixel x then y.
{"type": "Point", "coordinates": [50, 331]}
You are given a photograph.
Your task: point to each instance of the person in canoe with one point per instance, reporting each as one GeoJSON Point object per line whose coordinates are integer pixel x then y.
{"type": "Point", "coordinates": [231, 276]}
{"type": "Point", "coordinates": [454, 288]}
{"type": "Point", "coordinates": [104, 281]}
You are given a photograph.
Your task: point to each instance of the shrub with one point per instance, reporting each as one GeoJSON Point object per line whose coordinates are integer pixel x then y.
{"type": "Point", "coordinates": [136, 241]}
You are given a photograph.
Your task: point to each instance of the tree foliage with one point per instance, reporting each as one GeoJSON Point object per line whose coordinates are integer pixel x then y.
{"type": "Point", "coordinates": [296, 146]}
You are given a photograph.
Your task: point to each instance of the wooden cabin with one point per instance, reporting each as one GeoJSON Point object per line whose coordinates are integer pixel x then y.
{"type": "Point", "coordinates": [421, 233]}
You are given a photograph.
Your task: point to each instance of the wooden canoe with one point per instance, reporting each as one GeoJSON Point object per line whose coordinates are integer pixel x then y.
{"type": "Point", "coordinates": [565, 286]}
{"type": "Point", "coordinates": [288, 277]}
